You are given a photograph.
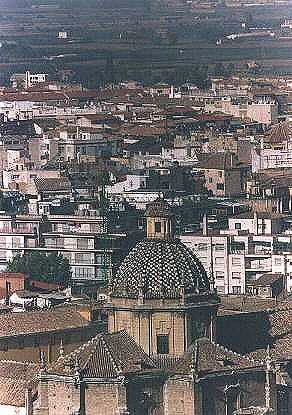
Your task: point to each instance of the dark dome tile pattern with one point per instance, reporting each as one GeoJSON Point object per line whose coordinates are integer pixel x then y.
{"type": "Point", "coordinates": [160, 269]}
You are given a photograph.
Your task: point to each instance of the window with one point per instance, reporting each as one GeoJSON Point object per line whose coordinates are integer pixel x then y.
{"type": "Point", "coordinates": [220, 173]}
{"type": "Point", "coordinates": [4, 347]}
{"type": "Point", "coordinates": [219, 274]}
{"type": "Point", "coordinates": [236, 261]}
{"type": "Point", "coordinates": [199, 329]}
{"type": "Point", "coordinates": [219, 261]}
{"type": "Point", "coordinates": [162, 343]}
{"type": "Point", "coordinates": [157, 227]}
{"type": "Point", "coordinates": [16, 242]}
{"type": "Point", "coordinates": [84, 272]}
{"type": "Point", "coordinates": [3, 242]}
{"type": "Point", "coordinates": [236, 275]}
{"type": "Point", "coordinates": [83, 258]}
{"type": "Point", "coordinates": [277, 261]}
{"type": "Point", "coordinates": [82, 243]}
{"type": "Point", "coordinates": [220, 186]}
{"type": "Point", "coordinates": [51, 242]}
{"type": "Point", "coordinates": [219, 247]}
{"type": "Point", "coordinates": [202, 247]}
{"type": "Point", "coordinates": [221, 290]}
{"type": "Point", "coordinates": [210, 180]}
{"type": "Point", "coordinates": [238, 225]}
{"type": "Point", "coordinates": [236, 289]}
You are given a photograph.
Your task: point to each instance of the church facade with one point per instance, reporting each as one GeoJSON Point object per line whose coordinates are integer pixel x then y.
{"type": "Point", "coordinates": [160, 355]}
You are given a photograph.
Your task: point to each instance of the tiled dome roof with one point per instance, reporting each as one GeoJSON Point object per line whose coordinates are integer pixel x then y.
{"type": "Point", "coordinates": [160, 269]}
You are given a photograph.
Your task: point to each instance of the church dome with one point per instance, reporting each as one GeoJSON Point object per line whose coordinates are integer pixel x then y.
{"type": "Point", "coordinates": [160, 269]}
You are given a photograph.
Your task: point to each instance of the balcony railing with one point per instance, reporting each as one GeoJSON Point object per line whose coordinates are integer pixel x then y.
{"type": "Point", "coordinates": [10, 229]}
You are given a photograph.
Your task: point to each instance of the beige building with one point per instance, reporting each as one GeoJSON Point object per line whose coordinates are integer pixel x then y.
{"type": "Point", "coordinates": [224, 174]}
{"type": "Point", "coordinates": [24, 335]}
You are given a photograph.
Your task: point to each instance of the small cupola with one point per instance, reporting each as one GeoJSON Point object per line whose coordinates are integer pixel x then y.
{"type": "Point", "coordinates": [159, 220]}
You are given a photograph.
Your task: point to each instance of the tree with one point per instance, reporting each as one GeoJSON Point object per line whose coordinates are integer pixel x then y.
{"type": "Point", "coordinates": [39, 266]}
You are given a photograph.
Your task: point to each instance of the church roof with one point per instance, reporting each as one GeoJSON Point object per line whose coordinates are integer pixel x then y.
{"type": "Point", "coordinates": [206, 357]}
{"type": "Point", "coordinates": [160, 269]}
{"type": "Point", "coordinates": [105, 356]}
{"type": "Point", "coordinates": [108, 356]}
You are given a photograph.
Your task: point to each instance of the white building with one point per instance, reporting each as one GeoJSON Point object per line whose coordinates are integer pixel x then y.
{"type": "Point", "coordinates": [63, 34]}
{"type": "Point", "coordinates": [220, 256]}
{"type": "Point", "coordinates": [262, 111]}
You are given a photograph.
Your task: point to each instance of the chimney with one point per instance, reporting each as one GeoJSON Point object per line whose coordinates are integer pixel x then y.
{"type": "Point", "coordinates": [205, 225]}
{"type": "Point", "coordinates": [255, 220]}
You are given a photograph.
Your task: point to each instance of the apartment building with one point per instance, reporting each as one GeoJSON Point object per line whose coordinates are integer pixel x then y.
{"type": "Point", "coordinates": [84, 239]}
{"type": "Point", "coordinates": [253, 245]}
{"type": "Point", "coordinates": [222, 257]}
{"type": "Point", "coordinates": [85, 143]}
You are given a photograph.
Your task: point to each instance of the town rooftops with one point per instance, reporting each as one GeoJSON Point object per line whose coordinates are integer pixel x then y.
{"type": "Point", "coordinates": [231, 305]}
{"type": "Point", "coordinates": [259, 215]}
{"type": "Point", "coordinates": [220, 161]}
{"type": "Point", "coordinates": [60, 184]}
{"type": "Point", "coordinates": [26, 323]}
{"type": "Point", "coordinates": [15, 379]}
{"type": "Point", "coordinates": [208, 357]}
{"type": "Point", "coordinates": [266, 280]}
{"type": "Point", "coordinates": [41, 96]}
{"type": "Point", "coordinates": [25, 294]}
{"type": "Point", "coordinates": [279, 133]}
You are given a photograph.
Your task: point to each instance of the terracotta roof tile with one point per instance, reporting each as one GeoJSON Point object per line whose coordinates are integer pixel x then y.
{"type": "Point", "coordinates": [17, 324]}
{"type": "Point", "coordinates": [207, 357]}
{"type": "Point", "coordinates": [105, 356]}
{"type": "Point", "coordinates": [15, 379]}
{"type": "Point", "coordinates": [279, 133]}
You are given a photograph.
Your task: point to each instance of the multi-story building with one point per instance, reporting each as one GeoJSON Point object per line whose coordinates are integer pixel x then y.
{"type": "Point", "coordinates": [224, 174]}
{"type": "Point", "coordinates": [223, 258]}
{"type": "Point", "coordinates": [84, 239]}
{"type": "Point", "coordinates": [87, 143]}
{"type": "Point", "coordinates": [260, 110]}
{"type": "Point", "coordinates": [253, 245]}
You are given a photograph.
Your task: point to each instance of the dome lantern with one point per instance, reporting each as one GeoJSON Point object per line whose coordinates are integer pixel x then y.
{"type": "Point", "coordinates": [159, 220]}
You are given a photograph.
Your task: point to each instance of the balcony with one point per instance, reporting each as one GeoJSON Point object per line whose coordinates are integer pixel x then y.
{"type": "Point", "coordinates": [22, 230]}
